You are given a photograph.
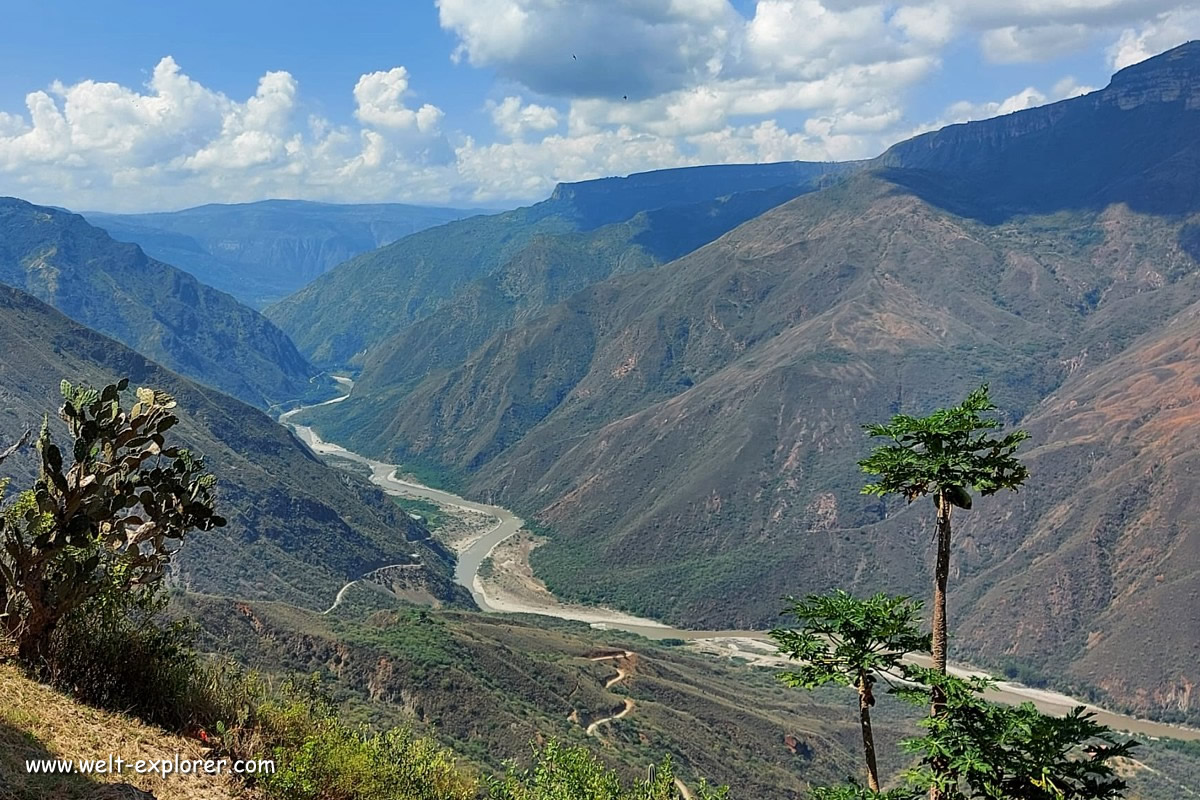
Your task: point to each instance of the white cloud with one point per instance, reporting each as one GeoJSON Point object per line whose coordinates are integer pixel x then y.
{"type": "Point", "coordinates": [177, 142]}
{"type": "Point", "coordinates": [514, 119]}
{"type": "Point", "coordinates": [1165, 31]}
{"type": "Point", "coordinates": [1030, 97]}
{"type": "Point", "coordinates": [380, 98]}
{"type": "Point", "coordinates": [585, 88]}
{"type": "Point", "coordinates": [1012, 44]}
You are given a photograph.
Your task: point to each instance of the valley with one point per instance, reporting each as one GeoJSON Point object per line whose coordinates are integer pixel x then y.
{"type": "Point", "coordinates": [685, 409]}
{"type": "Point", "coordinates": [752, 646]}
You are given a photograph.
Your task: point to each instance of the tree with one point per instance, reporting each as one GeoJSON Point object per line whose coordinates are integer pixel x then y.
{"type": "Point", "coordinates": [946, 455]}
{"type": "Point", "coordinates": [848, 641]}
{"type": "Point", "coordinates": [985, 751]}
{"type": "Point", "coordinates": [108, 521]}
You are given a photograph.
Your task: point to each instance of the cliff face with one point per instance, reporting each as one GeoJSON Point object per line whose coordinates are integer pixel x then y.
{"type": "Point", "coordinates": [1135, 142]}
{"type": "Point", "coordinates": [606, 200]}
{"type": "Point", "coordinates": [1173, 77]}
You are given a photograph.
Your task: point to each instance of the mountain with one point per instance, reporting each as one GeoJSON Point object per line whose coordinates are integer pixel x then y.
{"type": "Point", "coordinates": [357, 306]}
{"type": "Point", "coordinates": [690, 432]}
{"type": "Point", "coordinates": [1133, 142]}
{"type": "Point", "coordinates": [158, 310]}
{"type": "Point", "coordinates": [298, 530]}
{"type": "Point", "coordinates": [261, 252]}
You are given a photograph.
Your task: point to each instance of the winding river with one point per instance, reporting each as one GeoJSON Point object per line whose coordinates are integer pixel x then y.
{"type": "Point", "coordinates": [508, 523]}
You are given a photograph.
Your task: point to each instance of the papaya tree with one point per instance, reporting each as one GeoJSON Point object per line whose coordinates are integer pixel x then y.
{"type": "Point", "coordinates": [107, 516]}
{"type": "Point", "coordinates": [845, 640]}
{"type": "Point", "coordinates": [986, 751]}
{"type": "Point", "coordinates": [947, 456]}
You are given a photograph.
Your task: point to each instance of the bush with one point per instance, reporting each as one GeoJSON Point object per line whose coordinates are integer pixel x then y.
{"type": "Point", "coordinates": [317, 757]}
{"type": "Point", "coordinates": [573, 773]}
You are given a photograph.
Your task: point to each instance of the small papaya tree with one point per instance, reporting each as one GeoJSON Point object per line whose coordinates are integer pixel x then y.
{"type": "Point", "coordinates": [107, 519]}
{"type": "Point", "coordinates": [845, 640]}
{"type": "Point", "coordinates": [986, 751]}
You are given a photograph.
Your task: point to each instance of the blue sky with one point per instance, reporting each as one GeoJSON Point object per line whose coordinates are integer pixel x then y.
{"type": "Point", "coordinates": [141, 105]}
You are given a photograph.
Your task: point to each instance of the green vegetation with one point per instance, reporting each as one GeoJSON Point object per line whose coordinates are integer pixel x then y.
{"type": "Point", "coordinates": [976, 749]}
{"type": "Point", "coordinates": [104, 524]}
{"type": "Point", "coordinates": [431, 514]}
{"type": "Point", "coordinates": [851, 642]}
{"type": "Point", "coordinates": [297, 529]}
{"type": "Point", "coordinates": [573, 772]}
{"type": "Point", "coordinates": [972, 749]}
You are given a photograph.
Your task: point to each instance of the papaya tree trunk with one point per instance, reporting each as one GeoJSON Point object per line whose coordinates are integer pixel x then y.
{"type": "Point", "coordinates": [866, 699]}
{"type": "Point", "coordinates": [941, 577]}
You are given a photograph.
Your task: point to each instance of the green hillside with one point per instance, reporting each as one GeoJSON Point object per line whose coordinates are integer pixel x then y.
{"type": "Point", "coordinates": [298, 530]}
{"type": "Point", "coordinates": [355, 308]}
{"type": "Point", "coordinates": [152, 307]}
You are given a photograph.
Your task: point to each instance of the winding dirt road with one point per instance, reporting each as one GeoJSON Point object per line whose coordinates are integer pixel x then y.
{"type": "Point", "coordinates": [622, 674]}
{"type": "Point", "coordinates": [508, 524]}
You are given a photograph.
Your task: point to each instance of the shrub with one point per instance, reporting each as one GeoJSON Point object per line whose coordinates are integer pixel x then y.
{"type": "Point", "coordinates": [573, 773]}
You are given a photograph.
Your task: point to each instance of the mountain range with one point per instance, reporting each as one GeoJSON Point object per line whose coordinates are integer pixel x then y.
{"type": "Point", "coordinates": [689, 431]}
{"type": "Point", "coordinates": [160, 311]}
{"type": "Point", "coordinates": [503, 264]}
{"type": "Point", "coordinates": [260, 252]}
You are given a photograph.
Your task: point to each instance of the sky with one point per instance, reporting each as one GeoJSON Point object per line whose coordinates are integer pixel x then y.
{"type": "Point", "coordinates": [132, 105]}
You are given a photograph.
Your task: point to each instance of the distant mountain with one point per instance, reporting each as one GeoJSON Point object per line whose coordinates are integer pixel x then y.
{"type": "Point", "coordinates": [298, 530]}
{"type": "Point", "coordinates": [1135, 142]}
{"type": "Point", "coordinates": [690, 431]}
{"type": "Point", "coordinates": [158, 310]}
{"type": "Point", "coordinates": [377, 295]}
{"type": "Point", "coordinates": [261, 252]}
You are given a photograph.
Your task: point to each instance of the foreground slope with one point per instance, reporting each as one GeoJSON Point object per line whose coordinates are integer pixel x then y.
{"type": "Point", "coordinates": [691, 431]}
{"type": "Point", "coordinates": [260, 252]}
{"type": "Point", "coordinates": [298, 530]}
{"type": "Point", "coordinates": [357, 306]}
{"type": "Point", "coordinates": [156, 309]}
{"type": "Point", "coordinates": [37, 722]}
{"type": "Point", "coordinates": [490, 686]}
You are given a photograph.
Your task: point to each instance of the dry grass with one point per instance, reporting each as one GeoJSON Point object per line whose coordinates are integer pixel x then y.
{"type": "Point", "coordinates": [38, 722]}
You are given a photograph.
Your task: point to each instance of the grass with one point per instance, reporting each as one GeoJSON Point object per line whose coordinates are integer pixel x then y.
{"type": "Point", "coordinates": [432, 516]}
{"type": "Point", "coordinates": [39, 722]}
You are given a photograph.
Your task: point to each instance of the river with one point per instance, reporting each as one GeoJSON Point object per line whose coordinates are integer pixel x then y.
{"type": "Point", "coordinates": [508, 523]}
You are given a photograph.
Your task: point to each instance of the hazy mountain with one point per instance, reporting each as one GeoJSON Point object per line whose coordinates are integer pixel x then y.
{"type": "Point", "coordinates": [298, 530]}
{"type": "Point", "coordinates": [691, 431]}
{"type": "Point", "coordinates": [158, 310]}
{"type": "Point", "coordinates": [1135, 142]}
{"type": "Point", "coordinates": [339, 316]}
{"type": "Point", "coordinates": [260, 252]}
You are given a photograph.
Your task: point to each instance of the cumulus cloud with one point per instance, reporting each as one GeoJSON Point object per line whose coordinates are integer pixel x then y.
{"type": "Point", "coordinates": [1030, 97]}
{"type": "Point", "coordinates": [380, 98]}
{"type": "Point", "coordinates": [177, 142]}
{"type": "Point", "coordinates": [1162, 33]}
{"type": "Point", "coordinates": [514, 119]}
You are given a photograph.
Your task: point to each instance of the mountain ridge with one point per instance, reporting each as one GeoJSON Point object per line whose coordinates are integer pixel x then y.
{"type": "Point", "coordinates": [263, 250]}
{"type": "Point", "coordinates": [298, 530]}
{"type": "Point", "coordinates": [152, 307]}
